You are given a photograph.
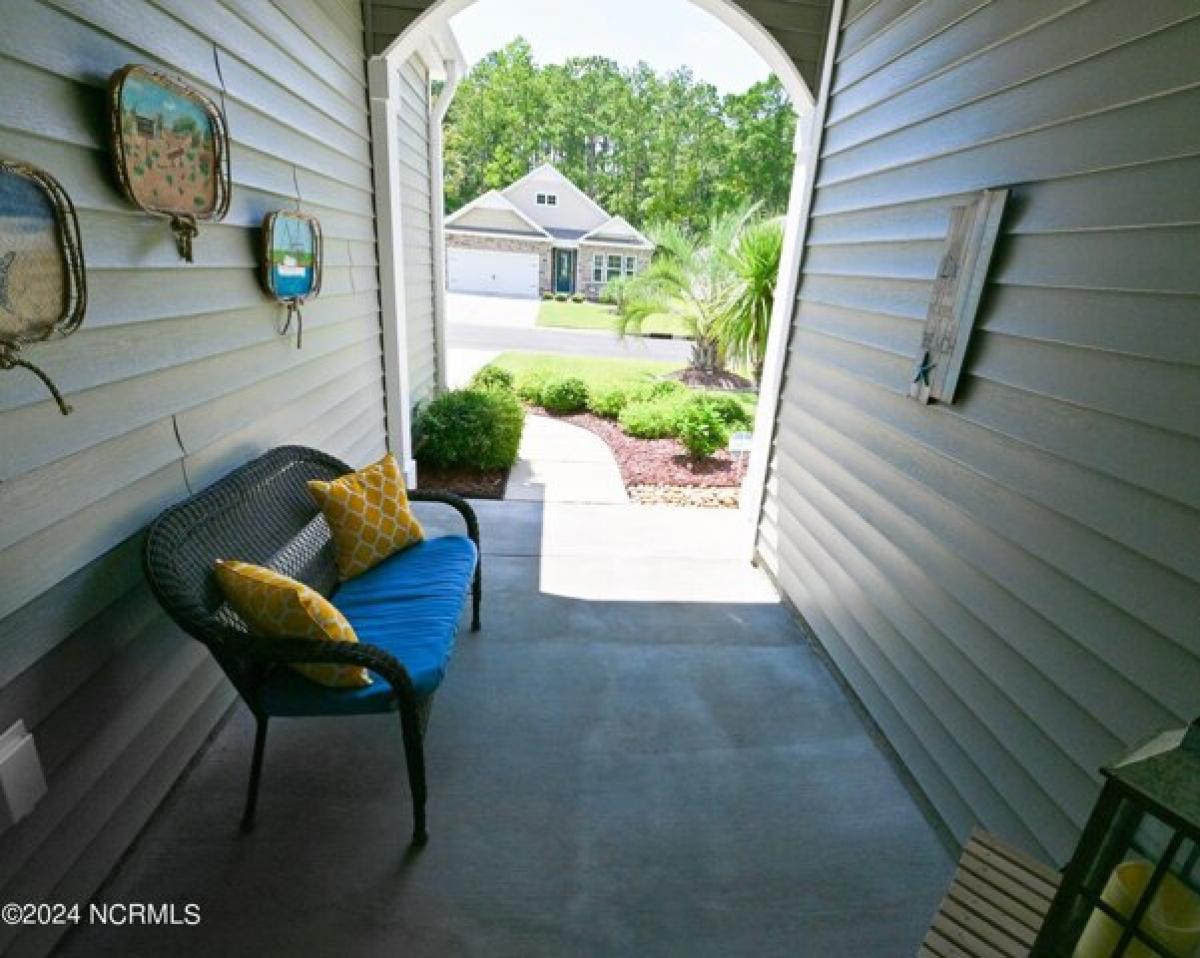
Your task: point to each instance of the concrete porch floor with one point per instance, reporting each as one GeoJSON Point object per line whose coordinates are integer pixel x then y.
{"type": "Point", "coordinates": [637, 756]}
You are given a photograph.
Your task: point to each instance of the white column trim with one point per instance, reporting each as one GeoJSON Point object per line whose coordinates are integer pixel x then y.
{"type": "Point", "coordinates": [809, 131]}
{"type": "Point", "coordinates": [437, 179]}
{"type": "Point", "coordinates": [382, 80]}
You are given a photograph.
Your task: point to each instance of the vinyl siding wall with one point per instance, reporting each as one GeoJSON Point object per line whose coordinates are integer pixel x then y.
{"type": "Point", "coordinates": [417, 226]}
{"type": "Point", "coordinates": [1010, 583]}
{"type": "Point", "coordinates": [177, 375]}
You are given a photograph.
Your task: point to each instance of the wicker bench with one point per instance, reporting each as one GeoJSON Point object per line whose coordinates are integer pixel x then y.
{"type": "Point", "coordinates": [263, 513]}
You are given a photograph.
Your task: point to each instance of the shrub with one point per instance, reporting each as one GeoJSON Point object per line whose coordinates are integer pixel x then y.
{"type": "Point", "coordinates": [733, 413]}
{"type": "Point", "coordinates": [577, 298]}
{"type": "Point", "coordinates": [659, 389]}
{"type": "Point", "coordinates": [470, 428]}
{"type": "Point", "coordinates": [649, 419]}
{"type": "Point", "coordinates": [561, 297]}
{"type": "Point", "coordinates": [700, 428]}
{"type": "Point", "coordinates": [546, 294]}
{"type": "Point", "coordinates": [530, 384]}
{"type": "Point", "coordinates": [564, 395]}
{"type": "Point", "coordinates": [493, 378]}
{"type": "Point", "coordinates": [608, 401]}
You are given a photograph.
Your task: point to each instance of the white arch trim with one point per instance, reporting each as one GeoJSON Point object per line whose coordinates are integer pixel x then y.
{"type": "Point", "coordinates": [733, 16]}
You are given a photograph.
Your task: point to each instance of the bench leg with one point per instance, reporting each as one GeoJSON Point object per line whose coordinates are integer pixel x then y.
{"type": "Point", "coordinates": [260, 742]}
{"type": "Point", "coordinates": [476, 595]}
{"type": "Point", "coordinates": [414, 757]}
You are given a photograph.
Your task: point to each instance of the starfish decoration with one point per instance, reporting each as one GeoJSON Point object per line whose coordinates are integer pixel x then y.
{"type": "Point", "coordinates": [6, 262]}
{"type": "Point", "coordinates": [927, 366]}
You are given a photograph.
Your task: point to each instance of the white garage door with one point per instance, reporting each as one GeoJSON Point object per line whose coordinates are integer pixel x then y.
{"type": "Point", "coordinates": [484, 271]}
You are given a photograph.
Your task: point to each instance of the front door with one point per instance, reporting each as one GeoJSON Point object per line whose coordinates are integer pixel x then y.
{"type": "Point", "coordinates": [564, 271]}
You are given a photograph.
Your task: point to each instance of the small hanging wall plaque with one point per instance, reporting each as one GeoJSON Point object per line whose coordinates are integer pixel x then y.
{"type": "Point", "coordinates": [291, 259]}
{"type": "Point", "coordinates": [957, 290]}
{"type": "Point", "coordinates": [43, 290]}
{"type": "Point", "coordinates": [170, 149]}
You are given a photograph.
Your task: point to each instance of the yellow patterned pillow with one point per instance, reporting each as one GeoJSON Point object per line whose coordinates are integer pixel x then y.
{"type": "Point", "coordinates": [369, 515]}
{"type": "Point", "coordinates": [275, 606]}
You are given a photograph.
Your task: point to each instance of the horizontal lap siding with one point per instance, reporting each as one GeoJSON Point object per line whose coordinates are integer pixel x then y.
{"type": "Point", "coordinates": [1011, 583]}
{"type": "Point", "coordinates": [177, 375]}
{"type": "Point", "coordinates": [417, 229]}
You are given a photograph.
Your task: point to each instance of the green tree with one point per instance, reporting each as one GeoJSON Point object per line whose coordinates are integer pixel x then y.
{"type": "Point", "coordinates": [743, 319]}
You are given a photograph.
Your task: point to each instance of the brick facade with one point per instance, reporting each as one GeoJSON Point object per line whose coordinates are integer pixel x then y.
{"type": "Point", "coordinates": [584, 283]}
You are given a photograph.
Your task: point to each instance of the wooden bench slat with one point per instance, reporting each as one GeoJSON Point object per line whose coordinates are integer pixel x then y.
{"type": "Point", "coordinates": [1020, 859]}
{"type": "Point", "coordinates": [994, 913]}
{"type": "Point", "coordinates": [944, 947]}
{"type": "Point", "coordinates": [1003, 883]}
{"type": "Point", "coordinates": [1030, 918]}
{"type": "Point", "coordinates": [1003, 863]}
{"type": "Point", "coordinates": [984, 930]}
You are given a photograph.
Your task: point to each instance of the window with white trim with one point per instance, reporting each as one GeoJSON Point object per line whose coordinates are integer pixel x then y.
{"type": "Point", "coordinates": [598, 268]}
{"type": "Point", "coordinates": [630, 265]}
{"type": "Point", "coordinates": [614, 267]}
{"type": "Point", "coordinates": [547, 199]}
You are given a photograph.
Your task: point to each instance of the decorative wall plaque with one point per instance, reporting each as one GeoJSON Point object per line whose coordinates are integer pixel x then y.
{"type": "Point", "coordinates": [170, 149]}
{"type": "Point", "coordinates": [957, 290]}
{"type": "Point", "coordinates": [291, 260]}
{"type": "Point", "coordinates": [43, 289]}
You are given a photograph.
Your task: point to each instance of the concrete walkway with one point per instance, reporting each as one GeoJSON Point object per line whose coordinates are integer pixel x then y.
{"type": "Point", "coordinates": [559, 462]}
{"type": "Point", "coordinates": [639, 755]}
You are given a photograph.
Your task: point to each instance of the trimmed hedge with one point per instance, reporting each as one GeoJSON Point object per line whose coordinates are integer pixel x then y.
{"type": "Point", "coordinates": [530, 385]}
{"type": "Point", "coordinates": [473, 428]}
{"type": "Point", "coordinates": [653, 419]}
{"type": "Point", "coordinates": [608, 401]}
{"type": "Point", "coordinates": [566, 394]}
{"type": "Point", "coordinates": [701, 428]}
{"type": "Point", "coordinates": [493, 378]}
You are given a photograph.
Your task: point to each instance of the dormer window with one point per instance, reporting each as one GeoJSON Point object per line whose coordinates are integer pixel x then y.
{"type": "Point", "coordinates": [547, 199]}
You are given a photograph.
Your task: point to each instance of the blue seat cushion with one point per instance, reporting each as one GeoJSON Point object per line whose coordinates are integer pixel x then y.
{"type": "Point", "coordinates": [408, 605]}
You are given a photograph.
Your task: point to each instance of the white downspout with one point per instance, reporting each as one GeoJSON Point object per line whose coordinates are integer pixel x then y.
{"type": "Point", "coordinates": [437, 178]}
{"type": "Point", "coordinates": [389, 237]}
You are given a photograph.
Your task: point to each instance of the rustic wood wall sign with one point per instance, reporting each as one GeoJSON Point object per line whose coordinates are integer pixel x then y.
{"type": "Point", "coordinates": [292, 257]}
{"type": "Point", "coordinates": [966, 256]}
{"type": "Point", "coordinates": [43, 289]}
{"type": "Point", "coordinates": [170, 149]}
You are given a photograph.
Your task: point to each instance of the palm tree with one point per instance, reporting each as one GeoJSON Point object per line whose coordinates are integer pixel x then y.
{"type": "Point", "coordinates": [743, 319]}
{"type": "Point", "coordinates": [687, 279]}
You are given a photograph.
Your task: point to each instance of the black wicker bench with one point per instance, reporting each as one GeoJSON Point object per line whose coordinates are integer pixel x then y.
{"type": "Point", "coordinates": [263, 513]}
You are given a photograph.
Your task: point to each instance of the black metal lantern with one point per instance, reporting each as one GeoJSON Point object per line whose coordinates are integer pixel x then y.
{"type": "Point", "coordinates": [1132, 888]}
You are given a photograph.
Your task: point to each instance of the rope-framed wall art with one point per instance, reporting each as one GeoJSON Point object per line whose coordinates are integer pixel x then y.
{"type": "Point", "coordinates": [292, 259]}
{"type": "Point", "coordinates": [43, 285]}
{"type": "Point", "coordinates": [170, 149]}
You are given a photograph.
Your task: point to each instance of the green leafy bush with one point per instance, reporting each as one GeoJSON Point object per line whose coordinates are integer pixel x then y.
{"type": "Point", "coordinates": [470, 428]}
{"type": "Point", "coordinates": [577, 298]}
{"type": "Point", "coordinates": [493, 378]}
{"type": "Point", "coordinates": [733, 413]}
{"type": "Point", "coordinates": [700, 427]}
{"type": "Point", "coordinates": [608, 401]}
{"type": "Point", "coordinates": [659, 389]}
{"type": "Point", "coordinates": [565, 395]}
{"type": "Point", "coordinates": [547, 295]}
{"type": "Point", "coordinates": [649, 419]}
{"type": "Point", "coordinates": [530, 384]}
{"type": "Point", "coordinates": [561, 297]}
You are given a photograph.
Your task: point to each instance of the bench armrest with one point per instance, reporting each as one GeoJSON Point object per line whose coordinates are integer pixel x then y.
{"type": "Point", "coordinates": [458, 503]}
{"type": "Point", "coordinates": [298, 651]}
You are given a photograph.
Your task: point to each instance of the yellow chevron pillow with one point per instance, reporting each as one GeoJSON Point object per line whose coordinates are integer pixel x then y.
{"type": "Point", "coordinates": [369, 515]}
{"type": "Point", "coordinates": [275, 606]}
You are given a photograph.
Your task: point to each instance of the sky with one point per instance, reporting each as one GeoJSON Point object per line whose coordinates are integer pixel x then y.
{"type": "Point", "coordinates": [664, 33]}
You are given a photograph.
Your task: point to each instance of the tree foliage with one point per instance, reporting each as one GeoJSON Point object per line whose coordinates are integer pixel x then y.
{"type": "Point", "coordinates": [649, 147]}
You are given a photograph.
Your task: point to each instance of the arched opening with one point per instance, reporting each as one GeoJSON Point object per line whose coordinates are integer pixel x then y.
{"type": "Point", "coordinates": [433, 22]}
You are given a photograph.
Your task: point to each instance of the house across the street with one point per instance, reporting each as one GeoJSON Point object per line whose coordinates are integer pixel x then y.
{"type": "Point", "coordinates": [542, 234]}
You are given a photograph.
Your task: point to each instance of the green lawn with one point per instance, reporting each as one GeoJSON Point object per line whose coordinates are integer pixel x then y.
{"type": "Point", "coordinates": [595, 371]}
{"type": "Point", "coordinates": [568, 315]}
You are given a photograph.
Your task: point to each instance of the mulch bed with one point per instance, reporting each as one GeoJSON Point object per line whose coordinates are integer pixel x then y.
{"type": "Point", "coordinates": [470, 483]}
{"type": "Point", "coordinates": [711, 379]}
{"type": "Point", "coordinates": [657, 462]}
